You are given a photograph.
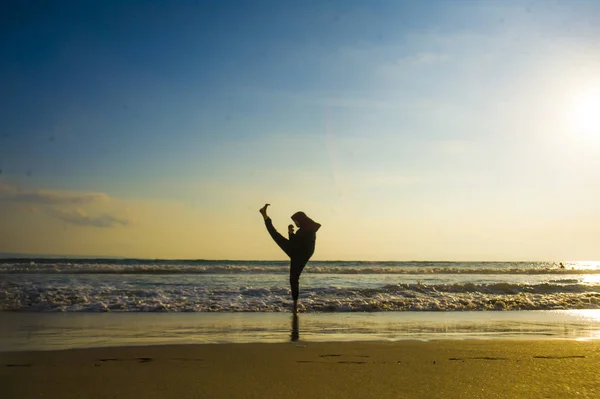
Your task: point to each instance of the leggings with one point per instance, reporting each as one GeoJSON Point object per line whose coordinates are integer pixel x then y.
{"type": "Point", "coordinates": [296, 264]}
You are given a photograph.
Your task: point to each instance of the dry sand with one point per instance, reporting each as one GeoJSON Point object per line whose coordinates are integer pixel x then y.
{"type": "Point", "coordinates": [438, 369]}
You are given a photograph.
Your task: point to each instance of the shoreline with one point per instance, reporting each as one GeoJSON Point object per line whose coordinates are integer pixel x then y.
{"type": "Point", "coordinates": [411, 369]}
{"type": "Point", "coordinates": [57, 331]}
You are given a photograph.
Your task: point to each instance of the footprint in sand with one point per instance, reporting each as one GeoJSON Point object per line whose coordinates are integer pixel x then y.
{"type": "Point", "coordinates": [18, 365]}
{"type": "Point", "coordinates": [337, 355]}
{"type": "Point", "coordinates": [139, 360]}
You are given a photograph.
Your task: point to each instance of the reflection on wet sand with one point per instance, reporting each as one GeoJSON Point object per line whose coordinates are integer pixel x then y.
{"type": "Point", "coordinates": [295, 336]}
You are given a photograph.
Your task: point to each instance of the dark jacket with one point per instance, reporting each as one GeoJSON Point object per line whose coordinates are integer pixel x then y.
{"type": "Point", "coordinates": [303, 244]}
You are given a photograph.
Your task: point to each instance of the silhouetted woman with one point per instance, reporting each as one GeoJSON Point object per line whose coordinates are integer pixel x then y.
{"type": "Point", "coordinates": [299, 247]}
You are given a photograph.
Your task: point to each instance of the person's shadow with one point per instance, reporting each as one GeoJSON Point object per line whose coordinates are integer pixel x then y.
{"type": "Point", "coordinates": [295, 336]}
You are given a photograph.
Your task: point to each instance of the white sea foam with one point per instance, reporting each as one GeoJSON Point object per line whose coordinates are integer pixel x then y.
{"type": "Point", "coordinates": [235, 286]}
{"type": "Point", "coordinates": [27, 296]}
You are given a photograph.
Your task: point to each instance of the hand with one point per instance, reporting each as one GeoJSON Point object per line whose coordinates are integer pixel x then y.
{"type": "Point", "coordinates": [291, 229]}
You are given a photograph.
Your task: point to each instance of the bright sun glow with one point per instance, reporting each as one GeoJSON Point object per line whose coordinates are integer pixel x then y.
{"type": "Point", "coordinates": [586, 113]}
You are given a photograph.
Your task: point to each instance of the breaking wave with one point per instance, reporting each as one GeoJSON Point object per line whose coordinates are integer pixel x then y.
{"type": "Point", "coordinates": [65, 297]}
{"type": "Point", "coordinates": [275, 267]}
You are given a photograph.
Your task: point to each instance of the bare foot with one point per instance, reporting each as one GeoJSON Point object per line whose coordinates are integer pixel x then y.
{"type": "Point", "coordinates": [263, 210]}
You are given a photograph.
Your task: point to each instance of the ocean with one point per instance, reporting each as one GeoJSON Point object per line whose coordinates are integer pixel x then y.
{"type": "Point", "coordinates": [111, 285]}
{"type": "Point", "coordinates": [64, 303]}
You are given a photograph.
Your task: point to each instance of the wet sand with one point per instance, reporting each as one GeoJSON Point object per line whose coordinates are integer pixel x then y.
{"type": "Point", "coordinates": [29, 331]}
{"type": "Point", "coordinates": [404, 369]}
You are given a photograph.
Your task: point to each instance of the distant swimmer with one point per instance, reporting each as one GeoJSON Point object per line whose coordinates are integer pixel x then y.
{"type": "Point", "coordinates": [300, 246]}
{"type": "Point", "coordinates": [562, 266]}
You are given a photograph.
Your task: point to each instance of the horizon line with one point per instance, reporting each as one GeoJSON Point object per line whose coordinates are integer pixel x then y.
{"type": "Point", "coordinates": [4, 256]}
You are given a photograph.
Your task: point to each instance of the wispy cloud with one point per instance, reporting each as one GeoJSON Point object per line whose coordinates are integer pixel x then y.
{"type": "Point", "coordinates": [57, 198]}
{"type": "Point", "coordinates": [61, 205]}
{"type": "Point", "coordinates": [6, 189]}
{"type": "Point", "coordinates": [49, 197]}
{"type": "Point", "coordinates": [81, 218]}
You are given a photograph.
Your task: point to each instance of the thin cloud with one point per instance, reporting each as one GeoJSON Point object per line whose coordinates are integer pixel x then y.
{"type": "Point", "coordinates": [47, 197]}
{"type": "Point", "coordinates": [81, 218]}
{"type": "Point", "coordinates": [62, 205]}
{"type": "Point", "coordinates": [6, 189]}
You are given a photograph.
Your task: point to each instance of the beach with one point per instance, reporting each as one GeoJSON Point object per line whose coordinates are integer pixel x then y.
{"type": "Point", "coordinates": [526, 354]}
{"type": "Point", "coordinates": [28, 331]}
{"type": "Point", "coordinates": [404, 369]}
{"type": "Point", "coordinates": [277, 199]}
{"type": "Point", "coordinates": [222, 329]}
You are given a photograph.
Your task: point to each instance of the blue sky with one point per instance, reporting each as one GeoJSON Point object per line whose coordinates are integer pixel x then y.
{"type": "Point", "coordinates": [412, 130]}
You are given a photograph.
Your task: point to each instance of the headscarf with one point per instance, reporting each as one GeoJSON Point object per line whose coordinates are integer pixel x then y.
{"type": "Point", "coordinates": [305, 223]}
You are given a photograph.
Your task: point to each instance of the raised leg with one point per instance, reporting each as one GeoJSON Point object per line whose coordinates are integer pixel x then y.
{"type": "Point", "coordinates": [280, 240]}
